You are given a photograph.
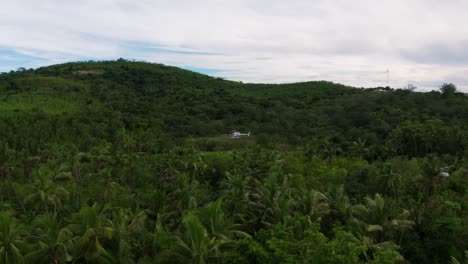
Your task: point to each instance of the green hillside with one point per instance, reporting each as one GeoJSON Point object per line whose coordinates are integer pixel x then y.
{"type": "Point", "coordinates": [132, 162]}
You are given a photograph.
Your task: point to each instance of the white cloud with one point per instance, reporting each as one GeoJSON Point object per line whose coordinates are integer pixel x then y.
{"type": "Point", "coordinates": [423, 42]}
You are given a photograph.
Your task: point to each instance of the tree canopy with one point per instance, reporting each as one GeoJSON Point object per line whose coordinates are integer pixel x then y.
{"type": "Point", "coordinates": [132, 162]}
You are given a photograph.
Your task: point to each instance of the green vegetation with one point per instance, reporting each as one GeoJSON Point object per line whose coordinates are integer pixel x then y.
{"type": "Point", "coordinates": [131, 162]}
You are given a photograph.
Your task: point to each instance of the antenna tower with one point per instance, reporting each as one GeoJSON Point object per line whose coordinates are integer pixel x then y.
{"type": "Point", "coordinates": [387, 76]}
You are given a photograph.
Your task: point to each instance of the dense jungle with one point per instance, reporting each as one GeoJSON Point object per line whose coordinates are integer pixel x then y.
{"type": "Point", "coordinates": [133, 162]}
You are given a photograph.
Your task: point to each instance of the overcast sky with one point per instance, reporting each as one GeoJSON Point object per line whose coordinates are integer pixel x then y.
{"type": "Point", "coordinates": [354, 42]}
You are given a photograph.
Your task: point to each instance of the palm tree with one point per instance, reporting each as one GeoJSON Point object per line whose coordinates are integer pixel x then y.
{"type": "Point", "coordinates": [7, 185]}
{"type": "Point", "coordinates": [358, 147]}
{"type": "Point", "coordinates": [329, 149]}
{"type": "Point", "coordinates": [454, 260]}
{"type": "Point", "coordinates": [194, 163]}
{"type": "Point", "coordinates": [339, 202]}
{"type": "Point", "coordinates": [127, 228]}
{"type": "Point", "coordinates": [162, 242]}
{"type": "Point", "coordinates": [120, 221]}
{"type": "Point", "coordinates": [54, 241]}
{"type": "Point", "coordinates": [272, 201]}
{"type": "Point", "coordinates": [11, 240]}
{"type": "Point", "coordinates": [391, 181]}
{"type": "Point", "coordinates": [186, 195]}
{"type": "Point", "coordinates": [76, 174]}
{"type": "Point", "coordinates": [213, 218]}
{"type": "Point", "coordinates": [46, 194]}
{"type": "Point", "coordinates": [431, 166]}
{"type": "Point", "coordinates": [91, 228]}
{"type": "Point", "coordinates": [379, 221]}
{"type": "Point", "coordinates": [195, 245]}
{"type": "Point", "coordinates": [109, 186]}
{"type": "Point", "coordinates": [127, 174]}
{"type": "Point", "coordinates": [170, 163]}
{"type": "Point", "coordinates": [237, 193]}
{"type": "Point", "coordinates": [376, 225]}
{"type": "Point", "coordinates": [28, 165]}
{"type": "Point", "coordinates": [313, 204]}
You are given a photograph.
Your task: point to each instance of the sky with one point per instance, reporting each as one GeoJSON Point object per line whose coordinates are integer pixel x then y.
{"type": "Point", "coordinates": [420, 42]}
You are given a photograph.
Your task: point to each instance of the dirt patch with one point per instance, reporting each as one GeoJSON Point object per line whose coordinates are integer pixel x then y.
{"type": "Point", "coordinates": [89, 72]}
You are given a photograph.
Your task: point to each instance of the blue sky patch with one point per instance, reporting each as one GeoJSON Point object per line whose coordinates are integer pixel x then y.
{"type": "Point", "coordinates": [10, 59]}
{"type": "Point", "coordinates": [207, 71]}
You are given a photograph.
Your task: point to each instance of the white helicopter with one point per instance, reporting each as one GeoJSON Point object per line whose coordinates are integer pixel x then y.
{"type": "Point", "coordinates": [237, 134]}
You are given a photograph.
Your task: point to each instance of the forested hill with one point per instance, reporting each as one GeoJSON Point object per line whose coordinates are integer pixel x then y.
{"type": "Point", "coordinates": [132, 162]}
{"type": "Point", "coordinates": [87, 102]}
